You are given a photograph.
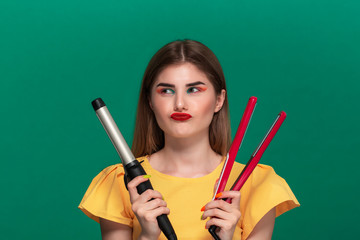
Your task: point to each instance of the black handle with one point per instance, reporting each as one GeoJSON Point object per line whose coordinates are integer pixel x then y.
{"type": "Point", "coordinates": [212, 230]}
{"type": "Point", "coordinates": [134, 169]}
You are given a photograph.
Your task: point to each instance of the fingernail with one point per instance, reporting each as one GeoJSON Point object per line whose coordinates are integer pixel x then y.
{"type": "Point", "coordinates": [218, 195]}
{"type": "Point", "coordinates": [201, 218]}
{"type": "Point", "coordinates": [146, 176]}
{"type": "Point", "coordinates": [203, 209]}
{"type": "Point", "coordinates": [205, 226]}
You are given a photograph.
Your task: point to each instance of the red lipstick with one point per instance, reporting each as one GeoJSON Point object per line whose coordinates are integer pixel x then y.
{"type": "Point", "coordinates": [180, 116]}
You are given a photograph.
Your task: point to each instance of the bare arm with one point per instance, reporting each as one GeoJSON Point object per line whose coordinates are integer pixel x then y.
{"type": "Point", "coordinates": [264, 228]}
{"type": "Point", "coordinates": [114, 231]}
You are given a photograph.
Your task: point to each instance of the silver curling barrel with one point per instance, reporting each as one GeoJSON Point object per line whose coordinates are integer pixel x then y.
{"type": "Point", "coordinates": [132, 166]}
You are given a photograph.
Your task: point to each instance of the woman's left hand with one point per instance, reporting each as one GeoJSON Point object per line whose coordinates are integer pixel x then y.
{"type": "Point", "coordinates": [224, 215]}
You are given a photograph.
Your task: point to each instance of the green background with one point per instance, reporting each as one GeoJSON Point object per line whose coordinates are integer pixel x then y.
{"type": "Point", "coordinates": [300, 56]}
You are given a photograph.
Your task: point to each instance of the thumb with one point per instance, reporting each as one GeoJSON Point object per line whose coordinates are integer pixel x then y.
{"type": "Point", "coordinates": [216, 185]}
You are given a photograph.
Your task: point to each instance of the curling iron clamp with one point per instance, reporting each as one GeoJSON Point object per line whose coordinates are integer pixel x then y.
{"type": "Point", "coordinates": [254, 159]}
{"type": "Point", "coordinates": [132, 167]}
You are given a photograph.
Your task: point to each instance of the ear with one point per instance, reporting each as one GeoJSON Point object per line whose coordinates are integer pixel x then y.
{"type": "Point", "coordinates": [220, 98]}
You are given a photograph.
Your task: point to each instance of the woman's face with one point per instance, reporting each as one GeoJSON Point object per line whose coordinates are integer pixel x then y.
{"type": "Point", "coordinates": [184, 101]}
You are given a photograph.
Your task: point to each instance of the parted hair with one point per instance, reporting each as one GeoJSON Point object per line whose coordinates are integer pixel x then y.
{"type": "Point", "coordinates": [148, 137]}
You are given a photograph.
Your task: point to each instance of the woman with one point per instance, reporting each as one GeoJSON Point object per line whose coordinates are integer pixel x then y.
{"type": "Point", "coordinates": [182, 134]}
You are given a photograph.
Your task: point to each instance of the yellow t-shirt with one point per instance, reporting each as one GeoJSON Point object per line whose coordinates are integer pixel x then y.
{"type": "Point", "coordinates": [108, 198]}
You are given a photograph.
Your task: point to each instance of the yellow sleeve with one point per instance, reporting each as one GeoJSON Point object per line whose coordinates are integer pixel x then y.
{"type": "Point", "coordinates": [264, 191]}
{"type": "Point", "coordinates": [108, 198]}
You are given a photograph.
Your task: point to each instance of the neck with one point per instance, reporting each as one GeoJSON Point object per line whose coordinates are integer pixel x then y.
{"type": "Point", "coordinates": [186, 157]}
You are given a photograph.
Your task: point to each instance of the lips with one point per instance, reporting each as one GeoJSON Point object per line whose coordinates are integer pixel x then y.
{"type": "Point", "coordinates": [180, 116]}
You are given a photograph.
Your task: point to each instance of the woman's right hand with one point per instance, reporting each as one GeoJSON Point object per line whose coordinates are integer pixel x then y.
{"type": "Point", "coordinates": [147, 207]}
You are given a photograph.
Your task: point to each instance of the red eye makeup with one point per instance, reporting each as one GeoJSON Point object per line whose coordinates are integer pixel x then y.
{"type": "Point", "coordinates": [196, 89]}
{"type": "Point", "coordinates": [166, 88]}
{"type": "Point", "coordinates": [165, 91]}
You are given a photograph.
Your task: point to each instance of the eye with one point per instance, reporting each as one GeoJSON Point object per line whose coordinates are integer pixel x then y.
{"type": "Point", "coordinates": [196, 89]}
{"type": "Point", "coordinates": [193, 90]}
{"type": "Point", "coordinates": [165, 91]}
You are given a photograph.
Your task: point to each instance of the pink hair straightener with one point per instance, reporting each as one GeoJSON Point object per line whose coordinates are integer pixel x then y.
{"type": "Point", "coordinates": [254, 159]}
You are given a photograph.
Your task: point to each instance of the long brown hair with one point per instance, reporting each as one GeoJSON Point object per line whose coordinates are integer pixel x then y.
{"type": "Point", "coordinates": [148, 137]}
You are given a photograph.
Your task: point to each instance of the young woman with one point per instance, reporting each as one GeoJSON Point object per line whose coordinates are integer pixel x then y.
{"type": "Point", "coordinates": [182, 135]}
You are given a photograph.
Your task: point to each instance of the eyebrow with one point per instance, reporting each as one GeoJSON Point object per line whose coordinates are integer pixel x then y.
{"type": "Point", "coordinates": [187, 85]}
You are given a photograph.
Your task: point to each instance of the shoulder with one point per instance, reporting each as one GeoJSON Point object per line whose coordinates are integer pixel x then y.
{"type": "Point", "coordinates": [112, 171]}
{"type": "Point", "coordinates": [260, 174]}
{"type": "Point", "coordinates": [107, 197]}
{"type": "Point", "coordinates": [263, 191]}
{"type": "Point", "coordinates": [266, 175]}
{"type": "Point", "coordinates": [263, 171]}
{"type": "Point", "coordinates": [116, 170]}
{"type": "Point", "coordinates": [119, 168]}
{"type": "Point", "coordinates": [260, 169]}
{"type": "Point", "coordinates": [116, 167]}
{"type": "Point", "coordinates": [142, 158]}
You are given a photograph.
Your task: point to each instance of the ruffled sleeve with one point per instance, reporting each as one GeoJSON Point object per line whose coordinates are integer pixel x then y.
{"type": "Point", "coordinates": [263, 191]}
{"type": "Point", "coordinates": [108, 198]}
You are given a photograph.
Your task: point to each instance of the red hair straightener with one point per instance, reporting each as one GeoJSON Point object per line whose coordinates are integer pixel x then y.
{"type": "Point", "coordinates": [235, 146]}
{"type": "Point", "coordinates": [254, 159]}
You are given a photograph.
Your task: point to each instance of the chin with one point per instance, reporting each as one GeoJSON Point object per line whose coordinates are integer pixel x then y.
{"type": "Point", "coordinates": [180, 135]}
{"type": "Point", "coordinates": [185, 133]}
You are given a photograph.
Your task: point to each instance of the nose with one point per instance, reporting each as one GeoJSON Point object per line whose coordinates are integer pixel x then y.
{"type": "Point", "coordinates": [180, 102]}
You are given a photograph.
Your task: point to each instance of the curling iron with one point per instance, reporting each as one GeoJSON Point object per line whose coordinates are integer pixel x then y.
{"type": "Point", "coordinates": [132, 167]}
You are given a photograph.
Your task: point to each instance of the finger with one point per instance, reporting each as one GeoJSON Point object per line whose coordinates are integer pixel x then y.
{"type": "Point", "coordinates": [133, 184]}
{"type": "Point", "coordinates": [236, 196]}
{"type": "Point", "coordinates": [153, 214]}
{"type": "Point", "coordinates": [223, 224]}
{"type": "Point", "coordinates": [233, 195]}
{"type": "Point", "coordinates": [154, 204]}
{"type": "Point", "coordinates": [218, 204]}
{"type": "Point", "coordinates": [217, 213]}
{"type": "Point", "coordinates": [223, 205]}
{"type": "Point", "coordinates": [150, 194]}
{"type": "Point", "coordinates": [229, 194]}
{"type": "Point", "coordinates": [140, 205]}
